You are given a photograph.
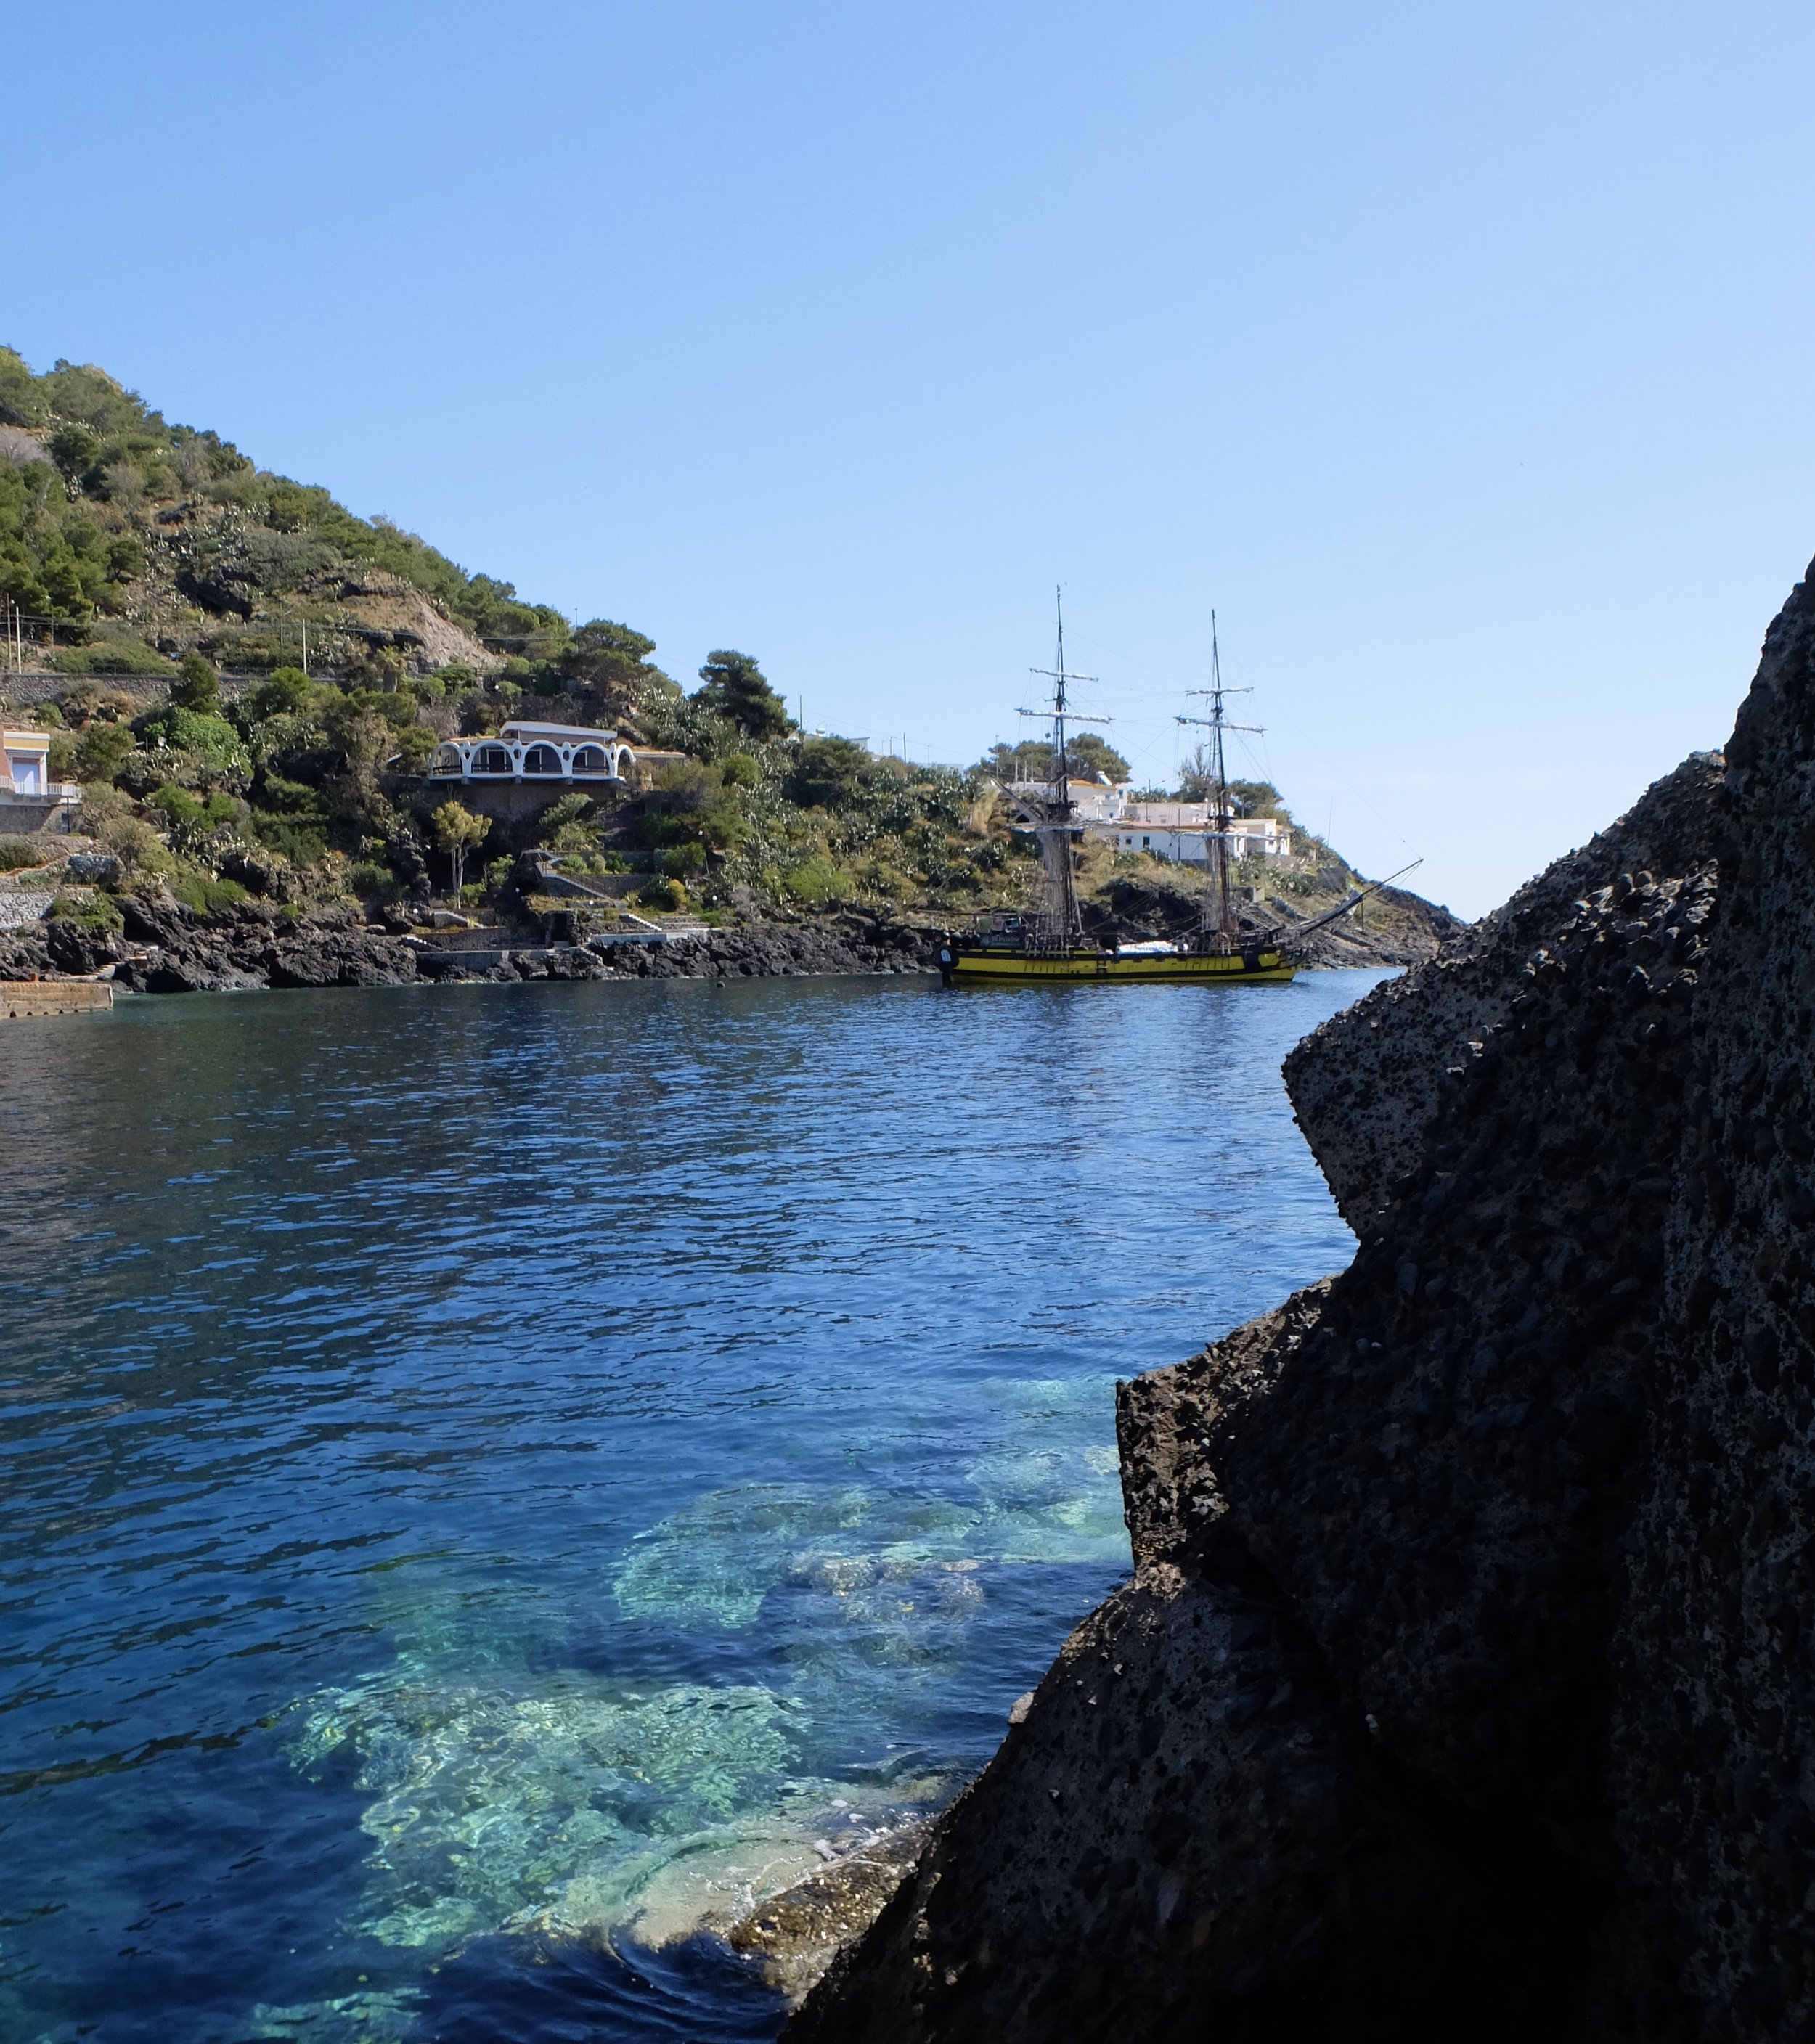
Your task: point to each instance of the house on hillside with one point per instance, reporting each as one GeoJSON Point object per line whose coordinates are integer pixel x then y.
{"type": "Point", "coordinates": [29, 799]}
{"type": "Point", "coordinates": [569, 754]}
{"type": "Point", "coordinates": [1183, 830]}
{"type": "Point", "coordinates": [1180, 831]}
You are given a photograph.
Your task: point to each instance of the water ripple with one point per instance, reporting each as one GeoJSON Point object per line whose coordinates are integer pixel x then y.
{"type": "Point", "coordinates": [495, 1475]}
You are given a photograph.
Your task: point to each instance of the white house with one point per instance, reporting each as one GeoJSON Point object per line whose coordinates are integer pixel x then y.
{"type": "Point", "coordinates": [1092, 801]}
{"type": "Point", "coordinates": [1170, 830]}
{"type": "Point", "coordinates": [522, 752]}
{"type": "Point", "coordinates": [24, 773]}
{"type": "Point", "coordinates": [1183, 831]}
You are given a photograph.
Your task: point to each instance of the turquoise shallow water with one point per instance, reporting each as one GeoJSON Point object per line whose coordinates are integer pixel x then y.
{"type": "Point", "coordinates": [495, 1477]}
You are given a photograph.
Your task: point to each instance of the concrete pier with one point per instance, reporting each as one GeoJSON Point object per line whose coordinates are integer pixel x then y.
{"type": "Point", "coordinates": [21, 999]}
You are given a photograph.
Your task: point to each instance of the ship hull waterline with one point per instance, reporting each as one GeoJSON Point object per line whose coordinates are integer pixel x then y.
{"type": "Point", "coordinates": [1190, 969]}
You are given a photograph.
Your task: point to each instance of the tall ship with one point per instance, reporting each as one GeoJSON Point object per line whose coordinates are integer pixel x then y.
{"type": "Point", "coordinates": [1049, 943]}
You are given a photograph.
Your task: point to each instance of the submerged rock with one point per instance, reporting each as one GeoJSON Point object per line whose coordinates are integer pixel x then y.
{"type": "Point", "coordinates": [1464, 1689]}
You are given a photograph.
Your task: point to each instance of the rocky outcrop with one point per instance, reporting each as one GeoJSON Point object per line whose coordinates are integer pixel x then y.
{"type": "Point", "coordinates": [163, 949]}
{"type": "Point", "coordinates": [1464, 1688]}
{"type": "Point", "coordinates": [1390, 928]}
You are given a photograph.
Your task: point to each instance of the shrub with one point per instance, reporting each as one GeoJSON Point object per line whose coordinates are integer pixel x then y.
{"type": "Point", "coordinates": [416, 744]}
{"type": "Point", "coordinates": [301, 842]}
{"type": "Point", "coordinates": [101, 752]}
{"type": "Point", "coordinates": [815, 882]}
{"type": "Point", "coordinates": [190, 821]}
{"type": "Point", "coordinates": [204, 896]}
{"type": "Point", "coordinates": [295, 799]}
{"type": "Point", "coordinates": [91, 912]}
{"type": "Point", "coordinates": [569, 810]}
{"type": "Point", "coordinates": [284, 691]}
{"type": "Point", "coordinates": [111, 656]}
{"type": "Point", "coordinates": [132, 842]}
{"type": "Point", "coordinates": [213, 746]}
{"type": "Point", "coordinates": [101, 800]}
{"type": "Point", "coordinates": [197, 686]}
{"type": "Point", "coordinates": [740, 770]}
{"type": "Point", "coordinates": [683, 861]}
{"type": "Point", "coordinates": [367, 878]}
{"type": "Point", "coordinates": [687, 786]}
{"type": "Point", "coordinates": [18, 853]}
{"type": "Point", "coordinates": [662, 893]}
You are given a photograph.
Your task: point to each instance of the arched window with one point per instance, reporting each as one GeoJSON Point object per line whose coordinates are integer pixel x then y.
{"type": "Point", "coordinates": [625, 761]}
{"type": "Point", "coordinates": [448, 760]}
{"type": "Point", "coordinates": [491, 759]}
{"type": "Point", "coordinates": [590, 759]}
{"type": "Point", "coordinates": [541, 759]}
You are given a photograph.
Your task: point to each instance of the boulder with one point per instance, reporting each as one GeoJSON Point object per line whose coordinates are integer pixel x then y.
{"type": "Point", "coordinates": [1516, 1516]}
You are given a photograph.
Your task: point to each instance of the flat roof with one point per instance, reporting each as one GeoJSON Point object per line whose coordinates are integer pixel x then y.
{"type": "Point", "coordinates": [580, 733]}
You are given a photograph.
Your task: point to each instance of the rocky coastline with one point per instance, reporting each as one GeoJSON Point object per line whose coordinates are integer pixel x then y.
{"type": "Point", "coordinates": [1464, 1688]}
{"type": "Point", "coordinates": [163, 947]}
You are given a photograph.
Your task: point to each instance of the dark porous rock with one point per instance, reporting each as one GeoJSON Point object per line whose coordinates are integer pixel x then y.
{"type": "Point", "coordinates": [340, 958]}
{"type": "Point", "coordinates": [793, 1936]}
{"type": "Point", "coordinates": [1516, 1518]}
{"type": "Point", "coordinates": [1188, 1836]}
{"type": "Point", "coordinates": [78, 948]}
{"type": "Point", "coordinates": [851, 945]}
{"type": "Point", "coordinates": [24, 954]}
{"type": "Point", "coordinates": [1365, 1085]}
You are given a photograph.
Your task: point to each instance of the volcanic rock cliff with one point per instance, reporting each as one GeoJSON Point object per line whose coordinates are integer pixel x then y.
{"type": "Point", "coordinates": [1463, 1687]}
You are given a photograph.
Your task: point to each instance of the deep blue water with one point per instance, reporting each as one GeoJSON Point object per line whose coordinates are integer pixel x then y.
{"type": "Point", "coordinates": [492, 1475]}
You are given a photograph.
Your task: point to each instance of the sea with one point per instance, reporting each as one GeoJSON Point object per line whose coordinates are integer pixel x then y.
{"type": "Point", "coordinates": [497, 1479]}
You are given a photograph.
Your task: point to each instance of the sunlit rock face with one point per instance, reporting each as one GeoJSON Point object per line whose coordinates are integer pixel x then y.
{"type": "Point", "coordinates": [1464, 1689]}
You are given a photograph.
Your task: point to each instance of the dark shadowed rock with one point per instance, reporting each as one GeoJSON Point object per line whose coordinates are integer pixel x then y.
{"type": "Point", "coordinates": [1521, 1505]}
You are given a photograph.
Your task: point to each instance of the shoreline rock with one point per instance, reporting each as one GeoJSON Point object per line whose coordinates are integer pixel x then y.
{"type": "Point", "coordinates": [164, 950]}
{"type": "Point", "coordinates": [1463, 1689]}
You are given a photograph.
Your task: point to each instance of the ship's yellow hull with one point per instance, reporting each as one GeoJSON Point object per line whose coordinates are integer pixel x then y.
{"type": "Point", "coordinates": [1187, 969]}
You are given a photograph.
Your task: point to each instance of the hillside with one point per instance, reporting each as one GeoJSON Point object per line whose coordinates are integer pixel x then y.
{"type": "Point", "coordinates": [247, 680]}
{"type": "Point", "coordinates": [123, 538]}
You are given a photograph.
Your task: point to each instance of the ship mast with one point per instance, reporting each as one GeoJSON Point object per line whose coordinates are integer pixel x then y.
{"type": "Point", "coordinates": [1219, 911]}
{"type": "Point", "coordinates": [1055, 833]}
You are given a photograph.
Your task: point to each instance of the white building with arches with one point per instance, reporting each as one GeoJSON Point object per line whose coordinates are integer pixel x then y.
{"type": "Point", "coordinates": [566, 754]}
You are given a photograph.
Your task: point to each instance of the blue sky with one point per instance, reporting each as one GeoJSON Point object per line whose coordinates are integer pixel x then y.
{"type": "Point", "coordinates": [1459, 356]}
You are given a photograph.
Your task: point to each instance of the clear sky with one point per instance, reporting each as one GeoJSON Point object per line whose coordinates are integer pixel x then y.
{"type": "Point", "coordinates": [1458, 356]}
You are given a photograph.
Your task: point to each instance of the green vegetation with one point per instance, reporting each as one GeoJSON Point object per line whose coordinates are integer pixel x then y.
{"type": "Point", "coordinates": [1034, 759]}
{"type": "Point", "coordinates": [89, 911]}
{"type": "Point", "coordinates": [148, 552]}
{"type": "Point", "coordinates": [458, 832]}
{"type": "Point", "coordinates": [115, 484]}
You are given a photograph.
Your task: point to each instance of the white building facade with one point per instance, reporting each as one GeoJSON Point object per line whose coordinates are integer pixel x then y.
{"type": "Point", "coordinates": [521, 751]}
{"type": "Point", "coordinates": [1180, 831]}
{"type": "Point", "coordinates": [1183, 831]}
{"type": "Point", "coordinates": [25, 782]}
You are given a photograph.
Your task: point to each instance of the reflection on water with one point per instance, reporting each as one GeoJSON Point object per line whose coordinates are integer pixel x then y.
{"type": "Point", "coordinates": [504, 1478]}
